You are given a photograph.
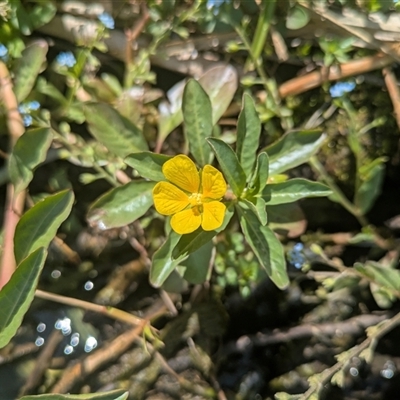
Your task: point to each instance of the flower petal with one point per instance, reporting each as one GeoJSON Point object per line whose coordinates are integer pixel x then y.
{"type": "Point", "coordinates": [168, 199]}
{"type": "Point", "coordinates": [213, 215]}
{"type": "Point", "coordinates": [182, 172]}
{"type": "Point", "coordinates": [186, 221]}
{"type": "Point", "coordinates": [214, 185]}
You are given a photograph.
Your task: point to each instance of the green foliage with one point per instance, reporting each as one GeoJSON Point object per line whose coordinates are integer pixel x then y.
{"type": "Point", "coordinates": [336, 50]}
{"type": "Point", "coordinates": [248, 135]}
{"type": "Point", "coordinates": [286, 218]}
{"type": "Point", "coordinates": [230, 165]}
{"type": "Point", "coordinates": [382, 276]}
{"type": "Point", "coordinates": [115, 128]}
{"type": "Point", "coordinates": [197, 116]}
{"type": "Point", "coordinates": [29, 151]}
{"type": "Point", "coordinates": [293, 149]}
{"type": "Point", "coordinates": [297, 18]}
{"type": "Point", "coordinates": [369, 172]}
{"type": "Point", "coordinates": [236, 265]}
{"type": "Point", "coordinates": [122, 205]}
{"type": "Point", "coordinates": [246, 175]}
{"type": "Point", "coordinates": [163, 263]}
{"type": "Point", "coordinates": [115, 132]}
{"type": "Point", "coordinates": [21, 21]}
{"type": "Point", "coordinates": [38, 226]}
{"type": "Point", "coordinates": [220, 84]}
{"type": "Point", "coordinates": [196, 268]}
{"type": "Point", "coordinates": [266, 247]}
{"type": "Point", "coordinates": [261, 173]}
{"type": "Point", "coordinates": [371, 177]}
{"type": "Point", "coordinates": [17, 294]}
{"type": "Point", "coordinates": [148, 164]}
{"type": "Point", "coordinates": [193, 241]}
{"type": "Point", "coordinates": [293, 190]}
{"type": "Point", "coordinates": [28, 67]}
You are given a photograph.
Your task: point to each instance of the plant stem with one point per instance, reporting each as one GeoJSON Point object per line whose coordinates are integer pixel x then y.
{"type": "Point", "coordinates": [110, 179]}
{"type": "Point", "coordinates": [269, 84]}
{"type": "Point", "coordinates": [80, 63]}
{"type": "Point", "coordinates": [110, 312]}
{"type": "Point", "coordinates": [374, 334]}
{"type": "Point", "coordinates": [101, 171]}
{"type": "Point", "coordinates": [261, 33]}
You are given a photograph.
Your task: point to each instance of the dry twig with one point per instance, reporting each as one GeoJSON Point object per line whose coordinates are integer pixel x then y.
{"type": "Point", "coordinates": [353, 326]}
{"type": "Point", "coordinates": [315, 79]}
{"type": "Point", "coordinates": [42, 362]}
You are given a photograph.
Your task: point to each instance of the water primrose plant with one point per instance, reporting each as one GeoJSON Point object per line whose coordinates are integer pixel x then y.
{"type": "Point", "coordinates": [209, 204]}
{"type": "Point", "coordinates": [199, 203]}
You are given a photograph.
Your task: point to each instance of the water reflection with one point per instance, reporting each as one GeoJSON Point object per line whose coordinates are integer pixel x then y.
{"type": "Point", "coordinates": [89, 285]}
{"type": "Point", "coordinates": [56, 274]}
{"type": "Point", "coordinates": [90, 344]}
{"type": "Point", "coordinates": [41, 327]}
{"type": "Point", "coordinates": [354, 371]}
{"type": "Point", "coordinates": [74, 339]}
{"type": "Point", "coordinates": [68, 349]}
{"type": "Point", "coordinates": [389, 368]}
{"type": "Point", "coordinates": [79, 337]}
{"type": "Point", "coordinates": [64, 325]}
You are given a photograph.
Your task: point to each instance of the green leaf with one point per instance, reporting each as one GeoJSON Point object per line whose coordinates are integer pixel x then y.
{"type": "Point", "coordinates": [28, 67]}
{"type": "Point", "coordinates": [370, 188]}
{"type": "Point", "coordinates": [196, 108]}
{"type": "Point", "coordinates": [293, 190]}
{"type": "Point", "coordinates": [15, 46]}
{"type": "Point", "coordinates": [197, 266]}
{"type": "Point", "coordinates": [170, 113]}
{"type": "Point", "coordinates": [297, 18]}
{"type": "Point", "coordinates": [122, 205]}
{"type": "Point", "coordinates": [229, 164]}
{"type": "Point", "coordinates": [248, 135]}
{"type": "Point", "coordinates": [112, 395]}
{"type": "Point", "coordinates": [257, 205]}
{"type": "Point", "coordinates": [148, 164]}
{"type": "Point", "coordinates": [193, 241]}
{"type": "Point", "coordinates": [74, 112]}
{"type": "Point", "coordinates": [48, 89]}
{"type": "Point", "coordinates": [293, 149]}
{"type": "Point", "coordinates": [17, 295]}
{"type": "Point", "coordinates": [287, 219]}
{"type": "Point", "coordinates": [175, 283]}
{"type": "Point", "coordinates": [113, 83]}
{"type": "Point", "coordinates": [266, 247]}
{"type": "Point", "coordinates": [261, 211]}
{"type": "Point", "coordinates": [383, 276]}
{"type": "Point", "coordinates": [220, 84]}
{"type": "Point", "coordinates": [382, 296]}
{"type": "Point", "coordinates": [261, 173]}
{"type": "Point", "coordinates": [39, 225]}
{"type": "Point", "coordinates": [29, 151]}
{"type": "Point", "coordinates": [163, 264]}
{"type": "Point", "coordinates": [42, 13]}
{"type": "Point", "coordinates": [117, 133]}
{"type": "Point", "coordinates": [22, 18]}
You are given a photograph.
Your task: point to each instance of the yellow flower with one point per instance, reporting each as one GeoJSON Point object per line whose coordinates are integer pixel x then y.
{"type": "Point", "coordinates": [193, 199]}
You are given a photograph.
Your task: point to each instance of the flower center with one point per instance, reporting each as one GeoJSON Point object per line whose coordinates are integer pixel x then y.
{"type": "Point", "coordinates": [195, 199]}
